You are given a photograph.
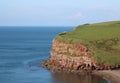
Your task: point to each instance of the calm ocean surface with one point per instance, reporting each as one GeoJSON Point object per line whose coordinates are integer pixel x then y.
{"type": "Point", "coordinates": [22, 49]}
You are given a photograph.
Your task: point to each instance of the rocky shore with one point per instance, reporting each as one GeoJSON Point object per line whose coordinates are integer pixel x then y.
{"type": "Point", "coordinates": [67, 64]}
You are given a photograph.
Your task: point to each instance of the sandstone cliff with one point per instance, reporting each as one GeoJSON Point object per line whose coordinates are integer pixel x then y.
{"type": "Point", "coordinates": [72, 58]}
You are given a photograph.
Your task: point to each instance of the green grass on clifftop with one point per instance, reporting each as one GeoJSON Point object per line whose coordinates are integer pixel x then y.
{"type": "Point", "coordinates": [103, 39]}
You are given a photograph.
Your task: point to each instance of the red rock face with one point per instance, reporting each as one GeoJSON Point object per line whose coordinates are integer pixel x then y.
{"type": "Point", "coordinates": [62, 59]}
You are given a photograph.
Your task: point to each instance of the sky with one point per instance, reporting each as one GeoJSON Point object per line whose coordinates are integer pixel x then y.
{"type": "Point", "coordinates": [57, 12]}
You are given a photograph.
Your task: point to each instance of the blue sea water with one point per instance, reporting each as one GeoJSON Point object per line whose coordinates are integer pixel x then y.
{"type": "Point", "coordinates": [22, 49]}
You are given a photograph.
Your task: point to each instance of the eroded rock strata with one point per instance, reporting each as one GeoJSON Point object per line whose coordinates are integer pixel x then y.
{"type": "Point", "coordinates": [72, 58]}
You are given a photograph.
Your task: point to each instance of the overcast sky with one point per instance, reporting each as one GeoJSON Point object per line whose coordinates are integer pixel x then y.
{"type": "Point", "coordinates": [57, 12]}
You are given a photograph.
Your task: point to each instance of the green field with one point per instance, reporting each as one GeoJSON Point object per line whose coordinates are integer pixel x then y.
{"type": "Point", "coordinates": [103, 39]}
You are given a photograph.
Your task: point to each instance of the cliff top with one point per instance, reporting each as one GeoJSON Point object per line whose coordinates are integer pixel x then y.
{"type": "Point", "coordinates": [92, 32]}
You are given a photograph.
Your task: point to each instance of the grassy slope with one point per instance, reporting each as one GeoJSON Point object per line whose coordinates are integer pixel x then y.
{"type": "Point", "coordinates": [102, 38]}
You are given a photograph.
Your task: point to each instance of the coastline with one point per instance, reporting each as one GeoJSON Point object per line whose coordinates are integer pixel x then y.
{"type": "Point", "coordinates": [112, 76]}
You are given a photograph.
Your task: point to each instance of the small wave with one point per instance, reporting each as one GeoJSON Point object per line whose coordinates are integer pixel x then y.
{"type": "Point", "coordinates": [33, 62]}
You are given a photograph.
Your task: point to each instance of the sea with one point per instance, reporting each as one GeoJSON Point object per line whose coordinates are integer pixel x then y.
{"type": "Point", "coordinates": [23, 49]}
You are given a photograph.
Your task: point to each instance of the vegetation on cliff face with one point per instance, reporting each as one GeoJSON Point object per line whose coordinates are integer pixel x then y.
{"type": "Point", "coordinates": [103, 39]}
